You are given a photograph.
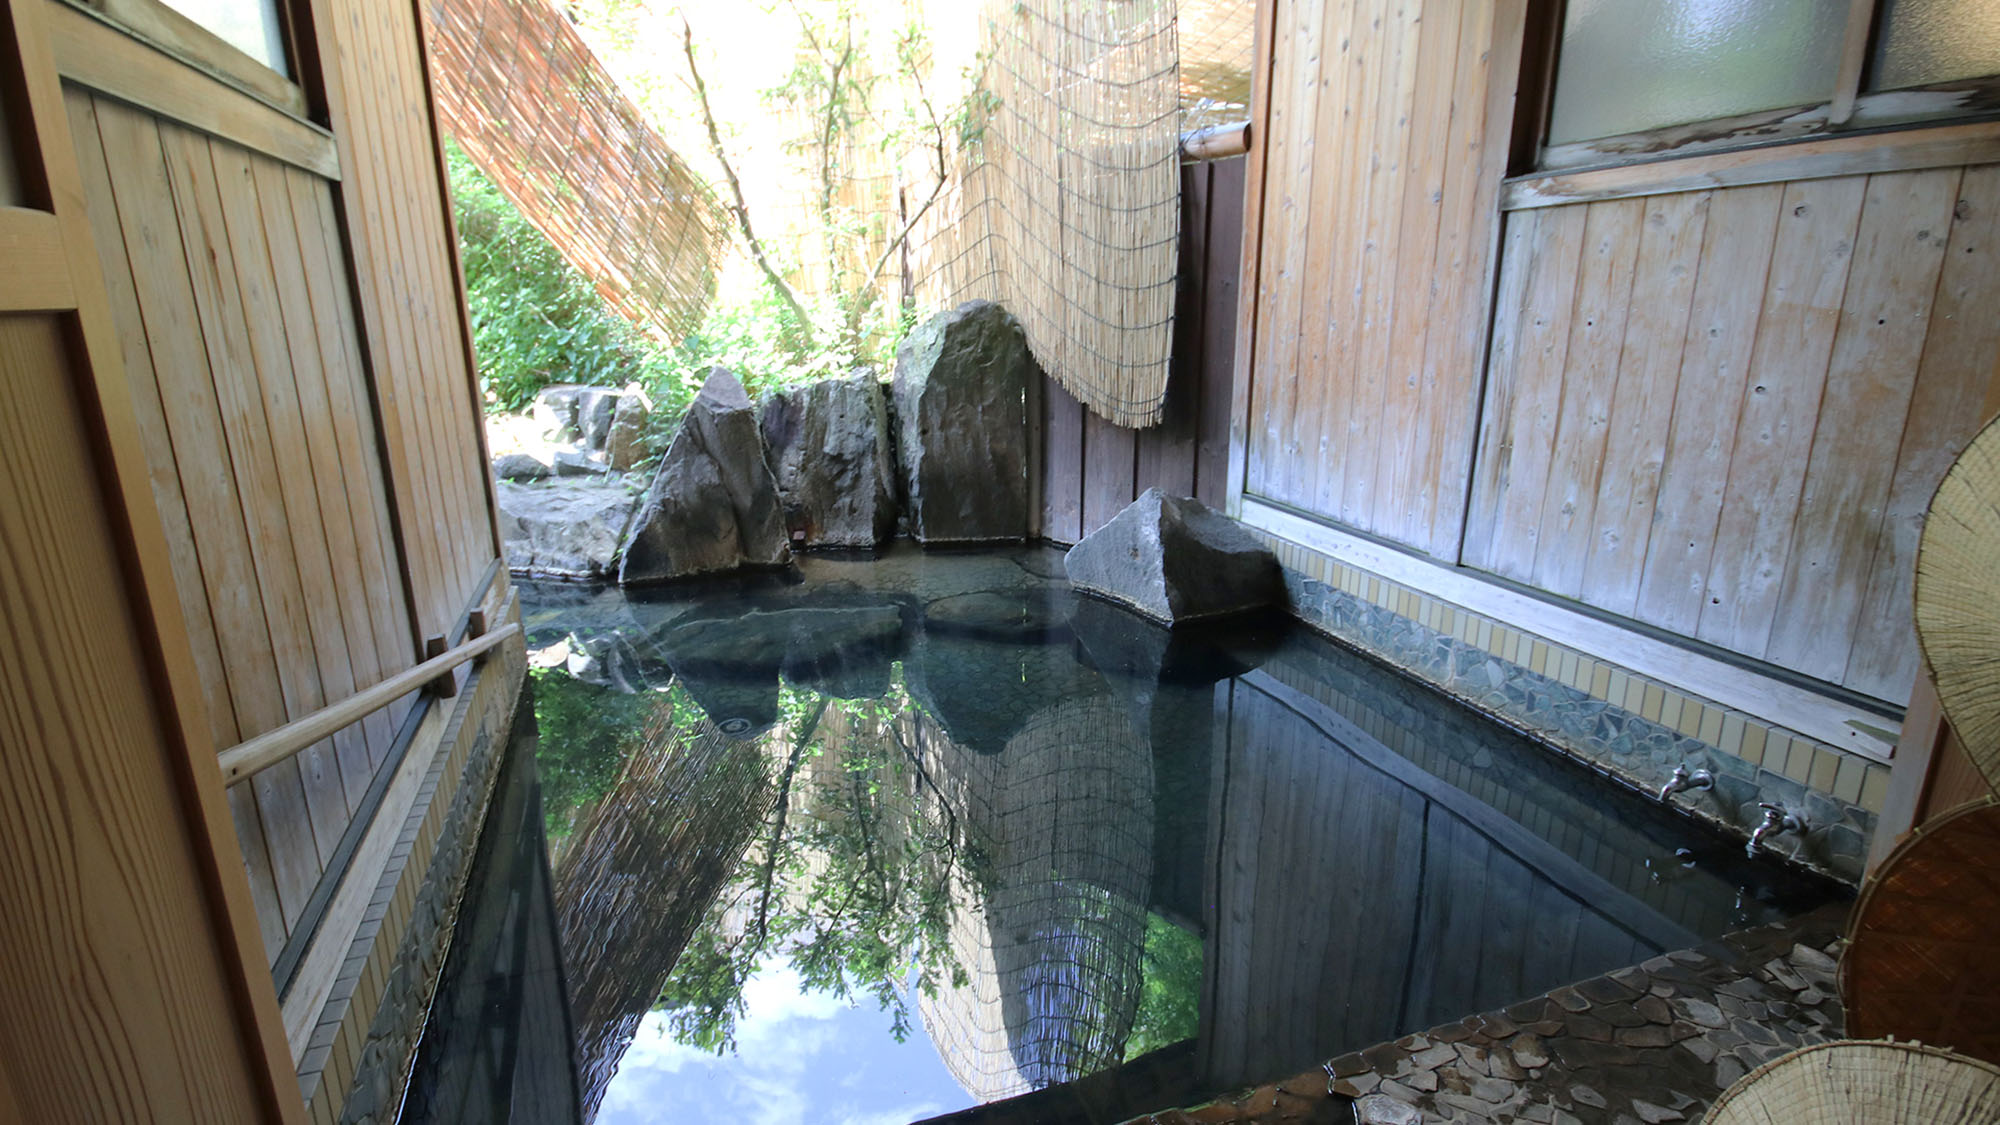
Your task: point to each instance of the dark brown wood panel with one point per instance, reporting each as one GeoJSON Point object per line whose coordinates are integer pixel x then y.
{"type": "Point", "coordinates": [1091, 468]}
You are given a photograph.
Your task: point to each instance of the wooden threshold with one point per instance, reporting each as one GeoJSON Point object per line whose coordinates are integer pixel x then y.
{"type": "Point", "coordinates": [1829, 719]}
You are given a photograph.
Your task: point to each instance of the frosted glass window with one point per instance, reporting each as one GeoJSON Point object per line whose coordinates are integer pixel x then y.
{"type": "Point", "coordinates": [1926, 41]}
{"type": "Point", "coordinates": [1629, 65]}
{"type": "Point", "coordinates": [251, 26]}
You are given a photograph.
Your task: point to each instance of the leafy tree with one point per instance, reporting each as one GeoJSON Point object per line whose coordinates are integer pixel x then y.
{"type": "Point", "coordinates": [535, 319]}
{"type": "Point", "coordinates": [1169, 1007]}
{"type": "Point", "coordinates": [848, 882]}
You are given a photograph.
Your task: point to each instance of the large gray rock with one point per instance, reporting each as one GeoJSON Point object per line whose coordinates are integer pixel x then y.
{"type": "Point", "coordinates": [566, 529]}
{"type": "Point", "coordinates": [829, 446]}
{"type": "Point", "coordinates": [518, 466]}
{"type": "Point", "coordinates": [1175, 559]}
{"type": "Point", "coordinates": [713, 505]}
{"type": "Point", "coordinates": [961, 387]}
{"type": "Point", "coordinates": [579, 413]}
{"type": "Point", "coordinates": [625, 446]}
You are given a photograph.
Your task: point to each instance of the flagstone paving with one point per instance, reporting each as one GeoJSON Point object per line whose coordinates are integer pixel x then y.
{"type": "Point", "coordinates": [1647, 1045]}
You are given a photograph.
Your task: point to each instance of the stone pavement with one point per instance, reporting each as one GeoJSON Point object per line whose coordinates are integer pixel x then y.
{"type": "Point", "coordinates": [1654, 1043]}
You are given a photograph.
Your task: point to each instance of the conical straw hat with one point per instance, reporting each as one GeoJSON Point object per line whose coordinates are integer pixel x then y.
{"type": "Point", "coordinates": [1958, 598]}
{"type": "Point", "coordinates": [1923, 956]}
{"type": "Point", "coordinates": [1852, 1082]}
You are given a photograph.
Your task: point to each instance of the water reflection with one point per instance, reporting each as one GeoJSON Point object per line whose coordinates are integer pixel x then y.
{"type": "Point", "coordinates": [1051, 838]}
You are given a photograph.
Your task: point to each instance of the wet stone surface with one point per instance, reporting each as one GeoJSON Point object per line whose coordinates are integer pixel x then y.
{"type": "Point", "coordinates": [1646, 1045]}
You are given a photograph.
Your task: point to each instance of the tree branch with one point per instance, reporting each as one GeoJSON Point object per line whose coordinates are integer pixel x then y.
{"type": "Point", "coordinates": [738, 205]}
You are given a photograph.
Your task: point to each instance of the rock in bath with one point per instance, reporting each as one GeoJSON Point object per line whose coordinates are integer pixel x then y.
{"type": "Point", "coordinates": [1174, 559]}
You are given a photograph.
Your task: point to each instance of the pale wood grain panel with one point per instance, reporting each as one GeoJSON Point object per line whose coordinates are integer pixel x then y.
{"type": "Point", "coordinates": [277, 361]}
{"type": "Point", "coordinates": [300, 844]}
{"type": "Point", "coordinates": [1483, 515]}
{"type": "Point", "coordinates": [1383, 155]}
{"type": "Point", "coordinates": [1774, 427]}
{"type": "Point", "coordinates": [419, 201]}
{"type": "Point", "coordinates": [137, 355]}
{"type": "Point", "coordinates": [1961, 350]}
{"type": "Point", "coordinates": [1642, 408]}
{"type": "Point", "coordinates": [110, 938]}
{"type": "Point", "coordinates": [1899, 251]}
{"type": "Point", "coordinates": [354, 78]}
{"type": "Point", "coordinates": [136, 352]}
{"type": "Point", "coordinates": [396, 637]}
{"type": "Point", "coordinates": [1489, 57]}
{"type": "Point", "coordinates": [1403, 475]}
{"type": "Point", "coordinates": [201, 460]}
{"type": "Point", "coordinates": [1525, 396]}
{"type": "Point", "coordinates": [1596, 337]}
{"type": "Point", "coordinates": [1284, 287]}
{"type": "Point", "coordinates": [1722, 331]}
{"type": "Point", "coordinates": [332, 467]}
{"type": "Point", "coordinates": [1323, 380]}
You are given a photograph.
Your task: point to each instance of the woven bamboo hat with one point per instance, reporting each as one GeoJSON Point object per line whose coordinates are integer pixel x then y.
{"type": "Point", "coordinates": [1923, 956]}
{"type": "Point", "coordinates": [1852, 1082]}
{"type": "Point", "coordinates": [1958, 598]}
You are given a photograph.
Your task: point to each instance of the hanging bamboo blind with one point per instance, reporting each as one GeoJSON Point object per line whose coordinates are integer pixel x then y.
{"type": "Point", "coordinates": [529, 103]}
{"type": "Point", "coordinates": [1066, 207]}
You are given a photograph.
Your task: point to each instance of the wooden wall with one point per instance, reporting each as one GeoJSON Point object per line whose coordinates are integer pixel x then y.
{"type": "Point", "coordinates": [1090, 468]}
{"type": "Point", "coordinates": [410, 297]}
{"type": "Point", "coordinates": [224, 270]}
{"type": "Point", "coordinates": [1723, 413]}
{"type": "Point", "coordinates": [1381, 154]}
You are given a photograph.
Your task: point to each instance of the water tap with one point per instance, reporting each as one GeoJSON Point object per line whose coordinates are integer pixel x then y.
{"type": "Point", "coordinates": [1683, 781]}
{"type": "Point", "coordinates": [1776, 822]}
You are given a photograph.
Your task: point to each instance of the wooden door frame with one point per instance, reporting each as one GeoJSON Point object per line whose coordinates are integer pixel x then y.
{"type": "Point", "coordinates": [53, 185]}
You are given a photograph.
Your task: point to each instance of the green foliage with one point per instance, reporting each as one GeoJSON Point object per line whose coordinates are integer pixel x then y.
{"type": "Point", "coordinates": [535, 319]}
{"type": "Point", "coordinates": [584, 730]}
{"type": "Point", "coordinates": [1169, 1009]}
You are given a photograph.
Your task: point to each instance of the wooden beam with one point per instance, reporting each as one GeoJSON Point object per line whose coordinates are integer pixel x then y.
{"type": "Point", "coordinates": [1901, 150]}
{"type": "Point", "coordinates": [36, 278]}
{"type": "Point", "coordinates": [274, 746]}
{"type": "Point", "coordinates": [1253, 246]}
{"type": "Point", "coordinates": [1782, 702]}
{"type": "Point", "coordinates": [1216, 142]}
{"type": "Point", "coordinates": [95, 54]}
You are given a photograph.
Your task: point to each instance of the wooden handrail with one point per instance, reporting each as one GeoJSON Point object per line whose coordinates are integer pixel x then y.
{"type": "Point", "coordinates": [274, 746]}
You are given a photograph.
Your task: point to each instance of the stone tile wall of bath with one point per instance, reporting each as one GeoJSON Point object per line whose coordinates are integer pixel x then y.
{"type": "Point", "coordinates": [1627, 726]}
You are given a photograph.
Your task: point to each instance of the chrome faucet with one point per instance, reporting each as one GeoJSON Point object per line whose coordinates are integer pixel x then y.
{"type": "Point", "coordinates": [1776, 822]}
{"type": "Point", "coordinates": [1683, 781]}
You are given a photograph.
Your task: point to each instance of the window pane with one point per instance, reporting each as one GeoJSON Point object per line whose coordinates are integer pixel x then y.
{"type": "Point", "coordinates": [1628, 65]}
{"type": "Point", "coordinates": [250, 26]}
{"type": "Point", "coordinates": [1925, 41]}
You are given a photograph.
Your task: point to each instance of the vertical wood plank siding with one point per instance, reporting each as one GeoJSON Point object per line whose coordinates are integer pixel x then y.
{"type": "Point", "coordinates": [1723, 413]}
{"type": "Point", "coordinates": [399, 227]}
{"type": "Point", "coordinates": [1092, 469]}
{"type": "Point", "coordinates": [1382, 156]}
{"type": "Point", "coordinates": [237, 337]}
{"type": "Point", "coordinates": [115, 973]}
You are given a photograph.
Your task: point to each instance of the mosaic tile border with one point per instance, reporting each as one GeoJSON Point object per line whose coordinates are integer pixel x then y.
{"type": "Point", "coordinates": [1630, 726]}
